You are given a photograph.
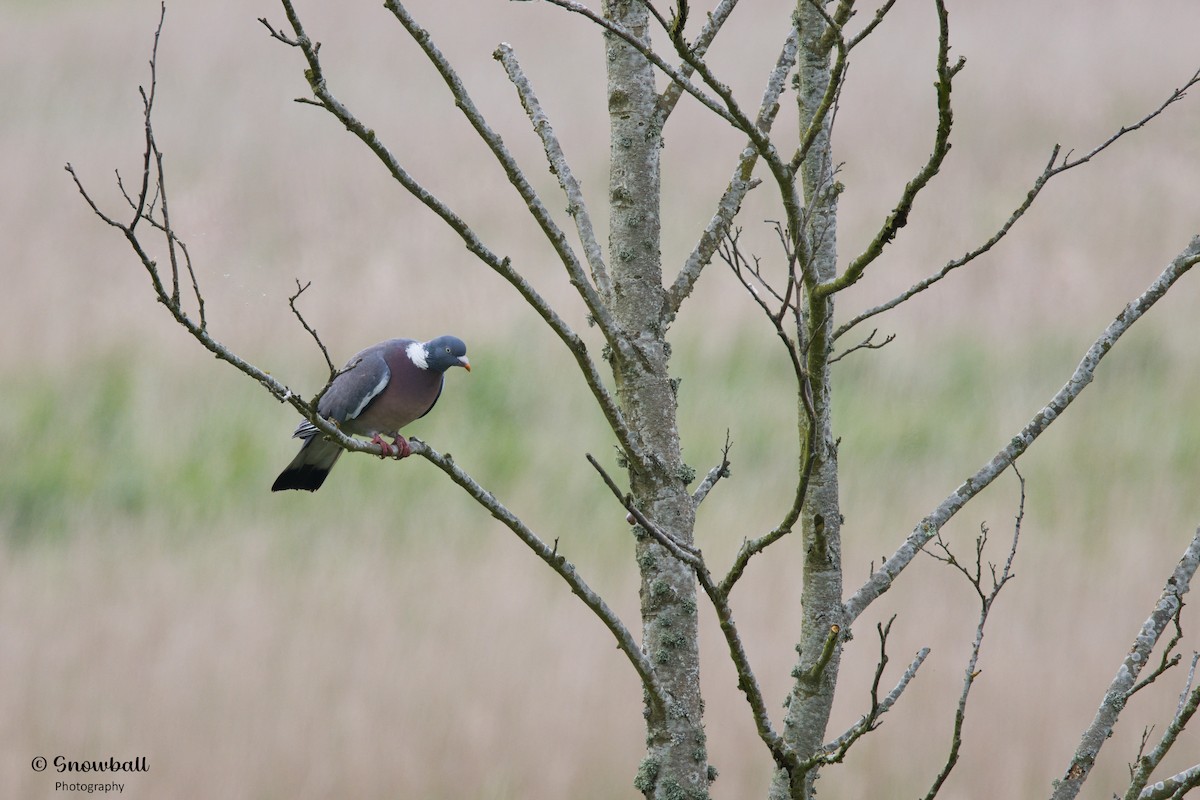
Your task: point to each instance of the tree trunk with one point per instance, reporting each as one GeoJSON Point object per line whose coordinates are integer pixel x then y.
{"type": "Point", "coordinates": [811, 696]}
{"type": "Point", "coordinates": [676, 762]}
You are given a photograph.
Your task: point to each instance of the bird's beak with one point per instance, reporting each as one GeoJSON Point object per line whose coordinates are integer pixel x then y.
{"type": "Point", "coordinates": [465, 364]}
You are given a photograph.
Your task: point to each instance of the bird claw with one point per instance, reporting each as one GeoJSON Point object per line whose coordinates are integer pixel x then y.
{"type": "Point", "coordinates": [397, 449]}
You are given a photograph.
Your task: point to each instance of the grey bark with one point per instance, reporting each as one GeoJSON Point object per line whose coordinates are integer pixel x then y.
{"type": "Point", "coordinates": [676, 761]}
{"type": "Point", "coordinates": [811, 696]}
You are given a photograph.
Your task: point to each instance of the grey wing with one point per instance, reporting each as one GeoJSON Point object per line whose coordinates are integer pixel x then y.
{"type": "Point", "coordinates": [351, 391]}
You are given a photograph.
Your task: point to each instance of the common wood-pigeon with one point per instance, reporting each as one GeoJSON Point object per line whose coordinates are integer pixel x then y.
{"type": "Point", "coordinates": [382, 389]}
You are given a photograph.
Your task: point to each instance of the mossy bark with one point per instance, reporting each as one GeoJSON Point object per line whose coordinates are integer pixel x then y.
{"type": "Point", "coordinates": [811, 697]}
{"type": "Point", "coordinates": [676, 763]}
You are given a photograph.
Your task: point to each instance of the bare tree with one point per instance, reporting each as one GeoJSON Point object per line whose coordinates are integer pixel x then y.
{"type": "Point", "coordinates": [632, 299]}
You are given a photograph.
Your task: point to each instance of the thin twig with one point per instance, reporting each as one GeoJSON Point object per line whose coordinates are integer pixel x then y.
{"type": "Point", "coordinates": [715, 474]}
{"type": "Point", "coordinates": [987, 599]}
{"type": "Point", "coordinates": [311, 330]}
{"type": "Point", "coordinates": [834, 752]}
{"type": "Point", "coordinates": [868, 343]}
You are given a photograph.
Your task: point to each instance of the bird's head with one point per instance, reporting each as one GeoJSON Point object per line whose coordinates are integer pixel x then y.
{"type": "Point", "coordinates": [445, 352]}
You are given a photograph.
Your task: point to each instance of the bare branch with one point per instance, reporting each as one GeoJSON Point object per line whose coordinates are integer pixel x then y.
{"type": "Point", "coordinates": [868, 343]}
{"type": "Point", "coordinates": [576, 206]}
{"type": "Point", "coordinates": [1118, 691]}
{"type": "Point", "coordinates": [1053, 168]}
{"type": "Point", "coordinates": [785, 757]}
{"type": "Point", "coordinates": [835, 751]}
{"type": "Point", "coordinates": [739, 184]}
{"type": "Point", "coordinates": [1174, 787]}
{"type": "Point", "coordinates": [808, 456]}
{"type": "Point", "coordinates": [715, 474]}
{"type": "Point", "coordinates": [671, 95]}
{"type": "Point", "coordinates": [882, 579]}
{"type": "Point", "coordinates": [941, 146]}
{"type": "Point", "coordinates": [311, 331]}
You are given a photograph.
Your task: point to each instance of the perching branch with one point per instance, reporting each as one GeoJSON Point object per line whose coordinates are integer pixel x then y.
{"type": "Point", "coordinates": [883, 578]}
{"type": "Point", "coordinates": [474, 244]}
{"type": "Point", "coordinates": [1118, 691]}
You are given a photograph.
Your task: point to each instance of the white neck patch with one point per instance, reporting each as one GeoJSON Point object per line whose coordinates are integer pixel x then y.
{"type": "Point", "coordinates": [418, 354]}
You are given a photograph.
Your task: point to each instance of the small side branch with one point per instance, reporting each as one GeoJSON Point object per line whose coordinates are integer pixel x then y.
{"type": "Point", "coordinates": [1118, 691]}
{"type": "Point", "coordinates": [883, 578]}
{"type": "Point", "coordinates": [941, 146]}
{"type": "Point", "coordinates": [987, 598]}
{"type": "Point", "coordinates": [715, 474]}
{"type": "Point", "coordinates": [834, 752]}
{"type": "Point", "coordinates": [311, 330]}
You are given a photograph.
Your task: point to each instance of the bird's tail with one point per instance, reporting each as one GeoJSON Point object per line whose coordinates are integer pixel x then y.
{"type": "Point", "coordinates": [310, 466]}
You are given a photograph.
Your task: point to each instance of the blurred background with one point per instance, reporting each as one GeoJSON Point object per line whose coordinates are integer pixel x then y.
{"type": "Point", "coordinates": [387, 638]}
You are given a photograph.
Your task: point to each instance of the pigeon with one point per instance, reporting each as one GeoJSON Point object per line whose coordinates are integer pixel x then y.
{"type": "Point", "coordinates": [378, 392]}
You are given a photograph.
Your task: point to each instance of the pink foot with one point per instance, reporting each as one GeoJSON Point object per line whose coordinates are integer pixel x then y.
{"type": "Point", "coordinates": [397, 449]}
{"type": "Point", "coordinates": [388, 450]}
{"type": "Point", "coordinates": [400, 443]}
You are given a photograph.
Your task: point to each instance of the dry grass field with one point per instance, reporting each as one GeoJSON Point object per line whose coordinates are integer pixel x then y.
{"type": "Point", "coordinates": [385, 637]}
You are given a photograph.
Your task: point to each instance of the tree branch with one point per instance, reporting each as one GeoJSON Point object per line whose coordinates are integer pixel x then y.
{"type": "Point", "coordinates": [941, 146]}
{"type": "Point", "coordinates": [740, 184]}
{"type": "Point", "coordinates": [1118, 691]}
{"type": "Point", "coordinates": [576, 206]}
{"type": "Point", "coordinates": [883, 578]}
{"type": "Point", "coordinates": [835, 751]}
{"type": "Point", "coordinates": [1052, 169]}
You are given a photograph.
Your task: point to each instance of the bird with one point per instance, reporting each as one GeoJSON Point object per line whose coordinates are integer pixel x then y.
{"type": "Point", "coordinates": [378, 392]}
